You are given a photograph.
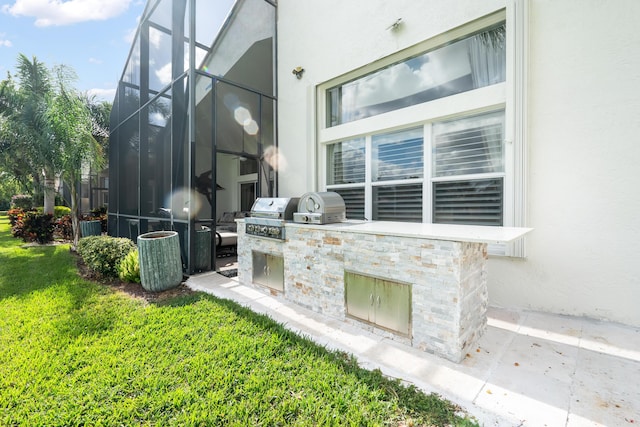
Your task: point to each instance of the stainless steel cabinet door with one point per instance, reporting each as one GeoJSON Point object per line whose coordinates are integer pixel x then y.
{"type": "Point", "coordinates": [382, 302]}
{"type": "Point", "coordinates": [275, 272]}
{"type": "Point", "coordinates": [268, 270]}
{"type": "Point", "coordinates": [393, 306]}
{"type": "Point", "coordinates": [359, 295]}
{"type": "Point", "coordinates": [259, 265]}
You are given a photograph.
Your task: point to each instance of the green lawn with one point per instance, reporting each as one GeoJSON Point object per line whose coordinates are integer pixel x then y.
{"type": "Point", "coordinates": [74, 352]}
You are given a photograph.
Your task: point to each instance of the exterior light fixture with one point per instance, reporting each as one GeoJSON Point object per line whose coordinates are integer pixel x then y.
{"type": "Point", "coordinates": [298, 72]}
{"type": "Point", "coordinates": [395, 25]}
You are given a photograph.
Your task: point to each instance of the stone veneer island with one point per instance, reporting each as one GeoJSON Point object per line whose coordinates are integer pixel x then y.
{"type": "Point", "coordinates": [421, 284]}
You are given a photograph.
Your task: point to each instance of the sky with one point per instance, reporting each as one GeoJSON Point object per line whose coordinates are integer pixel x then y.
{"type": "Point", "coordinates": [93, 37]}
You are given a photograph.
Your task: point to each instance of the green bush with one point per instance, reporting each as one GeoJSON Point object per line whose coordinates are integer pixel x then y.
{"type": "Point", "coordinates": [97, 212]}
{"type": "Point", "coordinates": [58, 211]}
{"type": "Point", "coordinates": [103, 254]}
{"type": "Point", "coordinates": [22, 201]}
{"type": "Point", "coordinates": [129, 267]}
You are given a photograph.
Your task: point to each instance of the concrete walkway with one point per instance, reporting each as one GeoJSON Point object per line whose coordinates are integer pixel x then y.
{"type": "Point", "coordinates": [529, 369]}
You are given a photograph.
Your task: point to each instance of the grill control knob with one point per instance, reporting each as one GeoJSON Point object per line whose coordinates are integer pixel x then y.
{"type": "Point", "coordinates": [250, 227]}
{"type": "Point", "coordinates": [263, 229]}
{"type": "Point", "coordinates": [274, 231]}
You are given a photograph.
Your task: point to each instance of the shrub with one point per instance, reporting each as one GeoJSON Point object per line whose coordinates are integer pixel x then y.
{"type": "Point", "coordinates": [60, 211]}
{"type": "Point", "coordinates": [64, 228]}
{"type": "Point", "coordinates": [103, 254]}
{"type": "Point", "coordinates": [14, 215]}
{"type": "Point", "coordinates": [22, 201]}
{"type": "Point", "coordinates": [102, 210]}
{"type": "Point", "coordinates": [33, 227]}
{"type": "Point", "coordinates": [99, 214]}
{"type": "Point", "coordinates": [129, 267]}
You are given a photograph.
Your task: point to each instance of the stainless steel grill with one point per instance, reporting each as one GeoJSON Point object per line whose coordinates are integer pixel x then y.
{"type": "Point", "coordinates": [320, 208]}
{"type": "Point", "coordinates": [268, 216]}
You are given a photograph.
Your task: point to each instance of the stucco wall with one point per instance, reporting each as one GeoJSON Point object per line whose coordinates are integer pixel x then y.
{"type": "Point", "coordinates": [329, 38]}
{"type": "Point", "coordinates": [584, 153]}
{"type": "Point", "coordinates": [583, 133]}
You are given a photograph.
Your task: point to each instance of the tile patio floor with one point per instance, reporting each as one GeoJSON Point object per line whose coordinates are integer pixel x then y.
{"type": "Point", "coordinates": [529, 368]}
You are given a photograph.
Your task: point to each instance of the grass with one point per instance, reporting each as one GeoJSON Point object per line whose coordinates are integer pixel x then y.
{"type": "Point", "coordinates": [74, 352]}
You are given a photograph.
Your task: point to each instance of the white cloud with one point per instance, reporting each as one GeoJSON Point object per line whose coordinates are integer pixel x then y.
{"type": "Point", "coordinates": [4, 42]}
{"type": "Point", "coordinates": [164, 74]}
{"type": "Point", "coordinates": [95, 61]}
{"type": "Point", "coordinates": [405, 79]}
{"type": "Point", "coordinates": [103, 94]}
{"type": "Point", "coordinates": [56, 12]}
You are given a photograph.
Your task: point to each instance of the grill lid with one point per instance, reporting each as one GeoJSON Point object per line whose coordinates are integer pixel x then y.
{"type": "Point", "coordinates": [323, 202]}
{"type": "Point", "coordinates": [274, 207]}
{"type": "Point", "coordinates": [320, 208]}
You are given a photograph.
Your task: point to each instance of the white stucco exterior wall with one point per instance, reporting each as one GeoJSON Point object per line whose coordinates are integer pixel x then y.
{"type": "Point", "coordinates": [331, 38]}
{"type": "Point", "coordinates": [584, 152]}
{"type": "Point", "coordinates": [583, 133]}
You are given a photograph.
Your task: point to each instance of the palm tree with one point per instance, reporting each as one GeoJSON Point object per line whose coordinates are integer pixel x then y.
{"type": "Point", "coordinates": [72, 126]}
{"type": "Point", "coordinates": [18, 156]}
{"type": "Point", "coordinates": [48, 129]}
{"type": "Point", "coordinates": [36, 90]}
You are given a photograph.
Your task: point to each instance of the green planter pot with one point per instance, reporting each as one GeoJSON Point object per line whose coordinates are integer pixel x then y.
{"type": "Point", "coordinates": [203, 250]}
{"type": "Point", "coordinates": [160, 264]}
{"type": "Point", "coordinates": [90, 228]}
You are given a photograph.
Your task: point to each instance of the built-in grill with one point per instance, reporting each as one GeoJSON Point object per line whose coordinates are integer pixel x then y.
{"type": "Point", "coordinates": [268, 216]}
{"type": "Point", "coordinates": [320, 208]}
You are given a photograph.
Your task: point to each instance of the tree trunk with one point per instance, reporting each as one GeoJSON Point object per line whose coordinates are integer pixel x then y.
{"type": "Point", "coordinates": [75, 213]}
{"type": "Point", "coordinates": [49, 192]}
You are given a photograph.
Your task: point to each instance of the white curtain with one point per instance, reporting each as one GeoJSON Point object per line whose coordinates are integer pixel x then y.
{"type": "Point", "coordinates": [487, 57]}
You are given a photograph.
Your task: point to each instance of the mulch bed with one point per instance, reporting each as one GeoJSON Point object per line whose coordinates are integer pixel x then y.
{"type": "Point", "coordinates": [134, 290]}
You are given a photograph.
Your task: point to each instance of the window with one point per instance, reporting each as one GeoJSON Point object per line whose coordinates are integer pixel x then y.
{"type": "Point", "coordinates": [470, 63]}
{"type": "Point", "coordinates": [398, 155]}
{"type": "Point", "coordinates": [466, 174]}
{"type": "Point", "coordinates": [469, 146]}
{"type": "Point", "coordinates": [435, 133]}
{"type": "Point", "coordinates": [346, 162]}
{"type": "Point", "coordinates": [468, 170]}
{"type": "Point", "coordinates": [248, 166]}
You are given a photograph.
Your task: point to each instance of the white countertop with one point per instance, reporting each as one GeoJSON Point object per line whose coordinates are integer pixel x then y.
{"type": "Point", "coordinates": [458, 233]}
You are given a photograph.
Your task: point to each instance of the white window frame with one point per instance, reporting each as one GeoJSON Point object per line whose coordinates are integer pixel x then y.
{"type": "Point", "coordinates": [510, 95]}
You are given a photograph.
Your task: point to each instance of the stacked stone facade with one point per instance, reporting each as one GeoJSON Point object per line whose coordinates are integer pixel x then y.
{"type": "Point", "coordinates": [447, 278]}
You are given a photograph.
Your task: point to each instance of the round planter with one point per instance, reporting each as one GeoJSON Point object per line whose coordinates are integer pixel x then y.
{"type": "Point", "coordinates": [160, 265]}
{"type": "Point", "coordinates": [90, 228]}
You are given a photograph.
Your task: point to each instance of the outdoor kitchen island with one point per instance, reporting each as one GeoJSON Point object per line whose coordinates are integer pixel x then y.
{"type": "Point", "coordinates": [421, 284]}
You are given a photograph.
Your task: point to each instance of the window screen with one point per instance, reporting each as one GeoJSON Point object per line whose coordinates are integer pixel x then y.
{"type": "Point", "coordinates": [471, 145]}
{"type": "Point", "coordinates": [346, 162]}
{"type": "Point", "coordinates": [398, 155]}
